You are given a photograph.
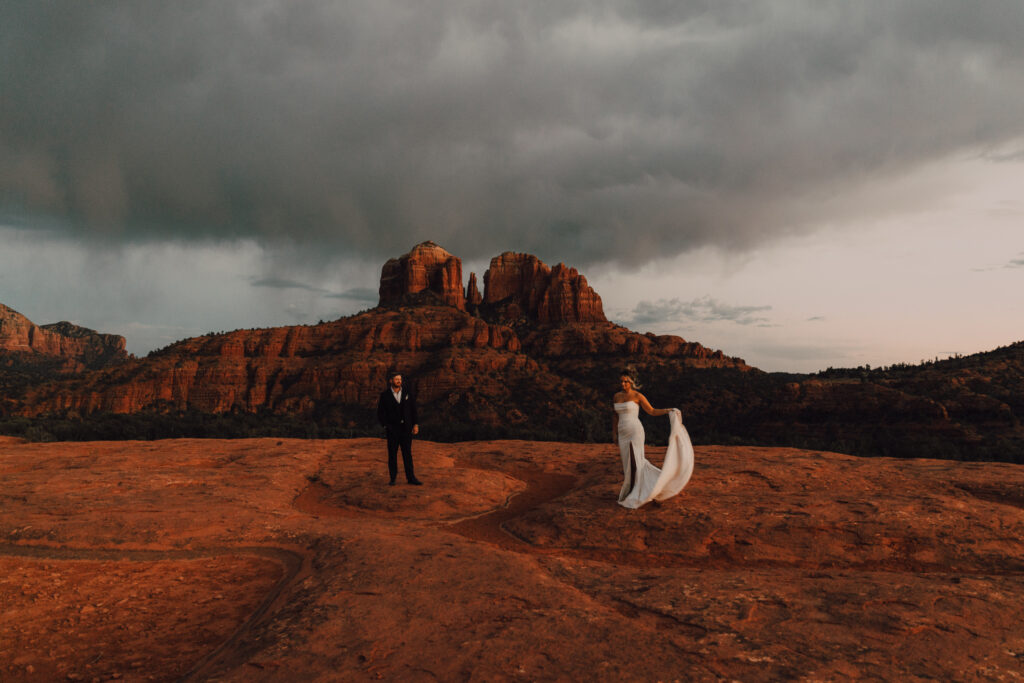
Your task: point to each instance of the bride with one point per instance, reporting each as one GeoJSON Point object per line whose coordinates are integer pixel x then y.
{"type": "Point", "coordinates": [643, 481]}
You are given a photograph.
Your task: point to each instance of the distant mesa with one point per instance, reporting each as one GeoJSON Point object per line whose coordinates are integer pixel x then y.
{"type": "Point", "coordinates": [518, 288]}
{"type": "Point", "coordinates": [77, 347]}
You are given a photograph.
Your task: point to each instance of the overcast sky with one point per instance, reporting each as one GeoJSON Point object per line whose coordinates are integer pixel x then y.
{"type": "Point", "coordinates": [803, 184]}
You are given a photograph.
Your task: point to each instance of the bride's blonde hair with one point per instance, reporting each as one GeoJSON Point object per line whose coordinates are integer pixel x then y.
{"type": "Point", "coordinates": [630, 374]}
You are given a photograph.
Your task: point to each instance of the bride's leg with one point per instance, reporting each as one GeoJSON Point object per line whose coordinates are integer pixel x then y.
{"type": "Point", "coordinates": [632, 468]}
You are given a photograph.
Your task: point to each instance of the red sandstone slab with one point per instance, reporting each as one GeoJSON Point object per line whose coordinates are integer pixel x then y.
{"type": "Point", "coordinates": [512, 562]}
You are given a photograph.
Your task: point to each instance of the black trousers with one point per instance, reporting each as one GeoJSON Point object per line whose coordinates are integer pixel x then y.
{"type": "Point", "coordinates": [403, 438]}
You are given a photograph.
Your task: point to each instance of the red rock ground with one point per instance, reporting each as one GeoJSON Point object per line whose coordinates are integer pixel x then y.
{"type": "Point", "coordinates": [268, 560]}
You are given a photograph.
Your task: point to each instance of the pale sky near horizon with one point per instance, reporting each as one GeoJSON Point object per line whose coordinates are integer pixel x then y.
{"type": "Point", "coordinates": [802, 184]}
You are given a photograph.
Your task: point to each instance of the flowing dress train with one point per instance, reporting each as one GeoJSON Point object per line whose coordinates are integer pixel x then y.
{"type": "Point", "coordinates": [644, 482]}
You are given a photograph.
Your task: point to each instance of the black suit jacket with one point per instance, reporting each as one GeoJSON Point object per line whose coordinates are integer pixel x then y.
{"type": "Point", "coordinates": [395, 416]}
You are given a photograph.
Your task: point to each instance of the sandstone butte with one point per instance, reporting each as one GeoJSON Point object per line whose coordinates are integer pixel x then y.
{"type": "Point", "coordinates": [289, 560]}
{"type": "Point", "coordinates": [427, 267]}
{"type": "Point", "coordinates": [528, 316]}
{"type": "Point", "coordinates": [528, 289]}
{"type": "Point", "coordinates": [521, 285]}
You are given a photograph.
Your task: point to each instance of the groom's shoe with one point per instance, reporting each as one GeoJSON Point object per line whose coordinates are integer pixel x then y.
{"type": "Point", "coordinates": [415, 482]}
{"type": "Point", "coordinates": [391, 483]}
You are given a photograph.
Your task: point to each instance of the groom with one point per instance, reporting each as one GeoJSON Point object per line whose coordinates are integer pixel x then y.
{"type": "Point", "coordinates": [396, 412]}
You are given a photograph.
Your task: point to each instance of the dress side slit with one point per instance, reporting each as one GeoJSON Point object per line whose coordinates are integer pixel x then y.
{"type": "Point", "coordinates": [632, 468]}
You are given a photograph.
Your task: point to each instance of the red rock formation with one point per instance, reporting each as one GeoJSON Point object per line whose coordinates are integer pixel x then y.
{"type": "Point", "coordinates": [515, 276]}
{"type": "Point", "coordinates": [427, 267]}
{"type": "Point", "coordinates": [529, 379]}
{"type": "Point", "coordinates": [78, 347]}
{"type": "Point", "coordinates": [473, 297]}
{"type": "Point", "coordinates": [480, 368]}
{"type": "Point", "coordinates": [291, 369]}
{"type": "Point", "coordinates": [522, 286]}
{"type": "Point", "coordinates": [568, 298]}
{"type": "Point", "coordinates": [589, 340]}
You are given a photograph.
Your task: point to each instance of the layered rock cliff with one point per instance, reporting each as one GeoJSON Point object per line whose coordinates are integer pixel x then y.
{"type": "Point", "coordinates": [75, 347]}
{"type": "Point", "coordinates": [447, 353]}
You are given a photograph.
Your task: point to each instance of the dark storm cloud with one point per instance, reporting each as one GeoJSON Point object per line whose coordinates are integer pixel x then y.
{"type": "Point", "coordinates": [1007, 207]}
{"type": "Point", "coordinates": [276, 283]}
{"type": "Point", "coordinates": [356, 294]}
{"type": "Point", "coordinates": [705, 309]}
{"type": "Point", "coordinates": [579, 131]}
{"type": "Point", "coordinates": [1005, 157]}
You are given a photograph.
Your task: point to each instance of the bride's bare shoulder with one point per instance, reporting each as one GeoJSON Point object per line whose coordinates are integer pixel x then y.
{"type": "Point", "coordinates": [625, 396]}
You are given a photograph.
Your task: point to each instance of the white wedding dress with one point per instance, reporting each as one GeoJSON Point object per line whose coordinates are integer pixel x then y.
{"type": "Point", "coordinates": [647, 482]}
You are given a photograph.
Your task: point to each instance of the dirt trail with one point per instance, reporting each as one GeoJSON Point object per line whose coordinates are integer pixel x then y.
{"type": "Point", "coordinates": [486, 527]}
{"type": "Point", "coordinates": [228, 655]}
{"type": "Point", "coordinates": [541, 487]}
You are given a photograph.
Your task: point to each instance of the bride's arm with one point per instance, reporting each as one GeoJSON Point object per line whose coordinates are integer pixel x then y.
{"type": "Point", "coordinates": [657, 412]}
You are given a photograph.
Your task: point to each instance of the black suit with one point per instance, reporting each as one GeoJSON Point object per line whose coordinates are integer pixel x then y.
{"type": "Point", "coordinates": [398, 419]}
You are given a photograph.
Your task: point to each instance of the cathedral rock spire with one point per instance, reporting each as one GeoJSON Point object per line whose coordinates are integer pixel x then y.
{"type": "Point", "coordinates": [523, 283]}
{"type": "Point", "coordinates": [427, 267]}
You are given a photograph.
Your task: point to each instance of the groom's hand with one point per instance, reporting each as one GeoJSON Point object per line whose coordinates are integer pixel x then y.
{"type": "Point", "coordinates": [415, 429]}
